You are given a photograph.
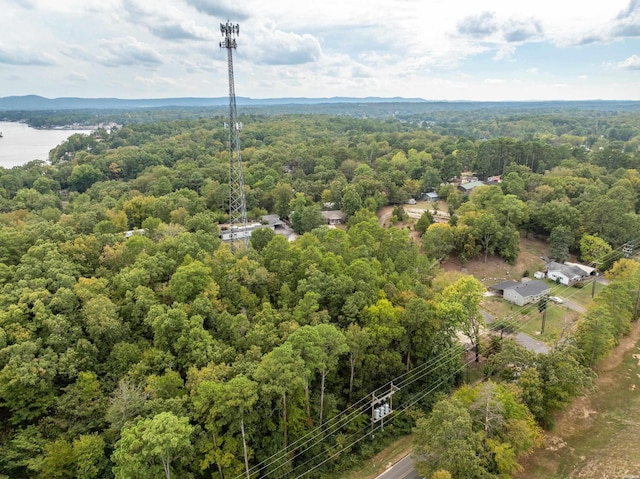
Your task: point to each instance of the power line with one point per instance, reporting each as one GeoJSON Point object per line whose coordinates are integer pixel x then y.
{"type": "Point", "coordinates": [337, 422]}
{"type": "Point", "coordinates": [402, 381]}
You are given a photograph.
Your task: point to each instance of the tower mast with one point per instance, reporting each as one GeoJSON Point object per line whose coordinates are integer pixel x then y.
{"type": "Point", "coordinates": [237, 200]}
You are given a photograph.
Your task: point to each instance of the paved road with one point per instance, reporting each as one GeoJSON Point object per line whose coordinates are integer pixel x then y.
{"type": "Point", "coordinates": [402, 469]}
{"type": "Point", "coordinates": [532, 344]}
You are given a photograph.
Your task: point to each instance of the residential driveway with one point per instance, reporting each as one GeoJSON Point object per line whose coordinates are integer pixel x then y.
{"type": "Point", "coordinates": [573, 305]}
{"type": "Point", "coordinates": [532, 344]}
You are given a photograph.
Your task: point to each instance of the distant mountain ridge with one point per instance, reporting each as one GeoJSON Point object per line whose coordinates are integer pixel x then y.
{"type": "Point", "coordinates": [35, 102]}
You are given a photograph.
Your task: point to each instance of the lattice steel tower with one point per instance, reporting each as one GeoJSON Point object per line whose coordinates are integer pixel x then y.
{"type": "Point", "coordinates": [237, 200]}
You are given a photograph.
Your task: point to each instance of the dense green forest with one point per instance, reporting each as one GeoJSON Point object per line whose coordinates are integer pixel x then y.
{"type": "Point", "coordinates": [168, 353]}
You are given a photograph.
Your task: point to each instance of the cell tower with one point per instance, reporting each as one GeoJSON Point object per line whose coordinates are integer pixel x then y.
{"type": "Point", "coordinates": [237, 200]}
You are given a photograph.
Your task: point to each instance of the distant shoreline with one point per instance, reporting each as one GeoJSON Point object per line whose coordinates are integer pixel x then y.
{"type": "Point", "coordinates": [22, 143]}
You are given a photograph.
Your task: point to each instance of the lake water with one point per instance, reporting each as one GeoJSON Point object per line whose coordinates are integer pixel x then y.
{"type": "Point", "coordinates": [21, 144]}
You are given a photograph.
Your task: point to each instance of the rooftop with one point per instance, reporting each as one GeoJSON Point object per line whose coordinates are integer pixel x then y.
{"type": "Point", "coordinates": [529, 288]}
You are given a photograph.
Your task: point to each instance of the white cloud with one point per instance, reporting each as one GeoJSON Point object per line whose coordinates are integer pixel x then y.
{"type": "Point", "coordinates": [631, 63]}
{"type": "Point", "coordinates": [77, 77]}
{"type": "Point", "coordinates": [127, 51]}
{"type": "Point", "coordinates": [628, 20]}
{"type": "Point", "coordinates": [505, 53]}
{"type": "Point", "coordinates": [16, 55]}
{"type": "Point", "coordinates": [223, 9]}
{"type": "Point", "coordinates": [167, 22]}
{"type": "Point", "coordinates": [335, 47]}
{"type": "Point", "coordinates": [155, 80]}
{"type": "Point", "coordinates": [272, 46]}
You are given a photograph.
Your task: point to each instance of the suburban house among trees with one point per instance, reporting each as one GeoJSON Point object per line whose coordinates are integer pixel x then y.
{"type": "Point", "coordinates": [468, 187]}
{"type": "Point", "coordinates": [568, 273]}
{"type": "Point", "coordinates": [335, 217]}
{"type": "Point", "coordinates": [522, 293]}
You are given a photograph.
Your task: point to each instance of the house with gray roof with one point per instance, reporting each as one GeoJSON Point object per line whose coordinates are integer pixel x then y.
{"type": "Point", "coordinates": [566, 274]}
{"type": "Point", "coordinates": [335, 217]}
{"type": "Point", "coordinates": [522, 293]}
{"type": "Point", "coordinates": [431, 196]}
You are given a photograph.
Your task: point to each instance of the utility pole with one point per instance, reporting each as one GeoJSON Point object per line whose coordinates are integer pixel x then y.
{"type": "Point", "coordinates": [542, 307]}
{"type": "Point", "coordinates": [595, 279]}
{"type": "Point", "coordinates": [237, 200]}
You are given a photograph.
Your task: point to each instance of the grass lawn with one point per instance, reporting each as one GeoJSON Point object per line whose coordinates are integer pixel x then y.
{"type": "Point", "coordinates": [528, 320]}
{"type": "Point", "coordinates": [582, 296]}
{"type": "Point", "coordinates": [558, 321]}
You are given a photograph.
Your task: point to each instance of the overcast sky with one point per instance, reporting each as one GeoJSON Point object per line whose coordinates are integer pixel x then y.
{"type": "Point", "coordinates": [431, 49]}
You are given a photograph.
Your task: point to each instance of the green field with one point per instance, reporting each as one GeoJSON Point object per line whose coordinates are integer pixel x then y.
{"type": "Point", "coordinates": [528, 320]}
{"type": "Point", "coordinates": [558, 322]}
{"type": "Point", "coordinates": [581, 296]}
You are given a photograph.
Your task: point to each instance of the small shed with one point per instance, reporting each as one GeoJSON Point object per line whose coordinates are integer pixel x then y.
{"type": "Point", "coordinates": [431, 196]}
{"type": "Point", "coordinates": [273, 221]}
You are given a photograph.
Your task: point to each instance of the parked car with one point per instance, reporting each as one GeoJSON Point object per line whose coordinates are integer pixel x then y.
{"type": "Point", "coordinates": [555, 299]}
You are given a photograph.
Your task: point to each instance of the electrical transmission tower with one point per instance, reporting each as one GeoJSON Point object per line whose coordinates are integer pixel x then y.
{"type": "Point", "coordinates": [237, 200]}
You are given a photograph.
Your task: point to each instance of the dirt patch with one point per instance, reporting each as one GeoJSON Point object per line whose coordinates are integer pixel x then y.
{"type": "Point", "coordinates": [626, 344]}
{"type": "Point", "coordinates": [384, 215]}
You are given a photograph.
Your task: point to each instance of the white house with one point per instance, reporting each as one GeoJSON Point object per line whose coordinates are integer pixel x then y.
{"type": "Point", "coordinates": [522, 293]}
{"type": "Point", "coordinates": [588, 270]}
{"type": "Point", "coordinates": [564, 273]}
